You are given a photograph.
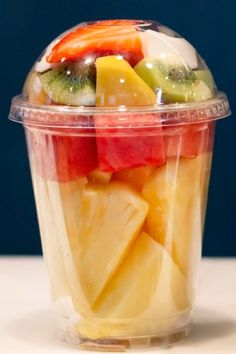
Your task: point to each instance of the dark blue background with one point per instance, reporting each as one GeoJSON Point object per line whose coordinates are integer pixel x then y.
{"type": "Point", "coordinates": [26, 27]}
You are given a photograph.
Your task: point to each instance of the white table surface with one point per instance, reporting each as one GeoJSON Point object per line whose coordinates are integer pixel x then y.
{"type": "Point", "coordinates": [26, 323]}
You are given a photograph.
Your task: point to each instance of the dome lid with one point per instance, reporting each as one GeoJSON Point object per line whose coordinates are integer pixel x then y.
{"type": "Point", "coordinates": [115, 65]}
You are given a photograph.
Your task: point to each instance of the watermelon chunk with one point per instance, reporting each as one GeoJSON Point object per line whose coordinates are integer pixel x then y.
{"type": "Point", "coordinates": [122, 146]}
{"type": "Point", "coordinates": [188, 140]}
{"type": "Point", "coordinates": [62, 158]}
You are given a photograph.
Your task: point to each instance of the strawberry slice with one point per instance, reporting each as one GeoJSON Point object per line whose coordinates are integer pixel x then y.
{"type": "Point", "coordinates": [131, 56]}
{"type": "Point", "coordinates": [63, 158]}
{"type": "Point", "coordinates": [117, 36]}
{"type": "Point", "coordinates": [122, 146]}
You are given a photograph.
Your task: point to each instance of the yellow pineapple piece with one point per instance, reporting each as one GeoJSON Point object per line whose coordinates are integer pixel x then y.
{"type": "Point", "coordinates": [102, 223]}
{"type": "Point", "coordinates": [48, 224]}
{"type": "Point", "coordinates": [56, 248]}
{"type": "Point", "coordinates": [205, 185]}
{"type": "Point", "coordinates": [118, 84]}
{"type": "Point", "coordinates": [145, 292]}
{"type": "Point", "coordinates": [99, 176]}
{"type": "Point", "coordinates": [135, 176]}
{"type": "Point", "coordinates": [175, 194]}
{"type": "Point", "coordinates": [58, 221]}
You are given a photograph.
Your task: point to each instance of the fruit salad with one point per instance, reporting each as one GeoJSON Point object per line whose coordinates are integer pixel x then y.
{"type": "Point", "coordinates": [120, 190]}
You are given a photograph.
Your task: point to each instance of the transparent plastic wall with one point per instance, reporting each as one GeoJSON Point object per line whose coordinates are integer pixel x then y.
{"type": "Point", "coordinates": [119, 118]}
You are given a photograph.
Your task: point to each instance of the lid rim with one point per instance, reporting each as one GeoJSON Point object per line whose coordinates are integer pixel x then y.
{"type": "Point", "coordinates": [211, 109]}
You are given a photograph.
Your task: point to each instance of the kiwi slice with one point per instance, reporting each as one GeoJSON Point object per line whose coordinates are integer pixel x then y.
{"type": "Point", "coordinates": [173, 82]}
{"type": "Point", "coordinates": [206, 76]}
{"type": "Point", "coordinates": [71, 83]}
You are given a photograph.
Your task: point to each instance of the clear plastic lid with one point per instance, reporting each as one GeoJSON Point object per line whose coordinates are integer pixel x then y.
{"type": "Point", "coordinates": [119, 65]}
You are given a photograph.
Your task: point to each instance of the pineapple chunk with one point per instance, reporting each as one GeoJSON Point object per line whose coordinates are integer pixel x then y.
{"type": "Point", "coordinates": [146, 291]}
{"type": "Point", "coordinates": [205, 184]}
{"type": "Point", "coordinates": [56, 212]}
{"type": "Point", "coordinates": [56, 248]}
{"type": "Point", "coordinates": [102, 223]}
{"type": "Point", "coordinates": [49, 237]}
{"type": "Point", "coordinates": [99, 176]}
{"type": "Point", "coordinates": [175, 193]}
{"type": "Point", "coordinates": [135, 176]}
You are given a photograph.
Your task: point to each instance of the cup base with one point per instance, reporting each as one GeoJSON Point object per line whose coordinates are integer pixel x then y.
{"type": "Point", "coordinates": [165, 340]}
{"type": "Point", "coordinates": [67, 320]}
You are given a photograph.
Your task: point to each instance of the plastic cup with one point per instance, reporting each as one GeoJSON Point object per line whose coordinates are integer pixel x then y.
{"type": "Point", "coordinates": [121, 197]}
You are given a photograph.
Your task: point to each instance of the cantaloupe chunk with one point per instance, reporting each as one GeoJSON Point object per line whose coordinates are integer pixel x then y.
{"type": "Point", "coordinates": [145, 295]}
{"type": "Point", "coordinates": [102, 223]}
{"type": "Point", "coordinates": [175, 194]}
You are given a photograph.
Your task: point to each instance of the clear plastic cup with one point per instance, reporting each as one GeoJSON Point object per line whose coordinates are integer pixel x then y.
{"type": "Point", "coordinates": [121, 197]}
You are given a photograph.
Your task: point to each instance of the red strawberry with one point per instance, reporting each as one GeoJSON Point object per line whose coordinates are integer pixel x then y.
{"type": "Point", "coordinates": [118, 36]}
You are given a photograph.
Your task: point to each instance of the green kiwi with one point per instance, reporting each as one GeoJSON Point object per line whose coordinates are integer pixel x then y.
{"type": "Point", "coordinates": [173, 81]}
{"type": "Point", "coordinates": [206, 76]}
{"type": "Point", "coordinates": [71, 83]}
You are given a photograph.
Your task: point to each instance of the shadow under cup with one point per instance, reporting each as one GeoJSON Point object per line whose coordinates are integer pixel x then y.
{"type": "Point", "coordinates": [121, 199]}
